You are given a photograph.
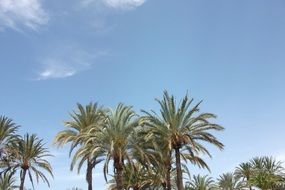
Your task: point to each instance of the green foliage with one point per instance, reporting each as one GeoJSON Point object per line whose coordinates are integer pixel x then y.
{"type": "Point", "coordinates": [31, 158]}
{"type": "Point", "coordinates": [83, 120]}
{"type": "Point", "coordinates": [229, 181]}
{"type": "Point", "coordinates": [268, 173]}
{"type": "Point", "coordinates": [201, 183]}
{"type": "Point", "coordinates": [114, 140]}
{"type": "Point", "coordinates": [181, 128]}
{"type": "Point", "coordinates": [145, 152]}
{"type": "Point", "coordinates": [7, 181]}
{"type": "Point", "coordinates": [8, 131]}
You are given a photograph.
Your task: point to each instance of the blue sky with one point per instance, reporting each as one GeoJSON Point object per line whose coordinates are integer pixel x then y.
{"type": "Point", "coordinates": [228, 53]}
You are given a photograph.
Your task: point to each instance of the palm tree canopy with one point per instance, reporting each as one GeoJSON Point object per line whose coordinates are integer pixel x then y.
{"type": "Point", "coordinates": [7, 134]}
{"type": "Point", "coordinates": [7, 129]}
{"type": "Point", "coordinates": [244, 171]}
{"type": "Point", "coordinates": [7, 181]}
{"type": "Point", "coordinates": [31, 156]}
{"type": "Point", "coordinates": [268, 173]}
{"type": "Point", "coordinates": [228, 181]}
{"type": "Point", "coordinates": [115, 139]}
{"type": "Point", "coordinates": [201, 183]}
{"type": "Point", "coordinates": [81, 120]}
{"type": "Point", "coordinates": [180, 125]}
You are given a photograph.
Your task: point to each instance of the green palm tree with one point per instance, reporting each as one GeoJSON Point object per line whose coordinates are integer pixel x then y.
{"type": "Point", "coordinates": [245, 172]}
{"type": "Point", "coordinates": [31, 159]}
{"type": "Point", "coordinates": [150, 161]}
{"type": "Point", "coordinates": [7, 181]}
{"type": "Point", "coordinates": [8, 131]}
{"type": "Point", "coordinates": [228, 181]}
{"type": "Point", "coordinates": [180, 128]}
{"type": "Point", "coordinates": [201, 183]}
{"type": "Point", "coordinates": [135, 177]}
{"type": "Point", "coordinates": [268, 173]}
{"type": "Point", "coordinates": [115, 140]}
{"type": "Point", "coordinates": [82, 120]}
{"type": "Point", "coordinates": [157, 153]}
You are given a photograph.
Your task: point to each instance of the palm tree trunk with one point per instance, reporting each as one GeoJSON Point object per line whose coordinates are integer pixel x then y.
{"type": "Point", "coordinates": [164, 186]}
{"type": "Point", "coordinates": [118, 173]}
{"type": "Point", "coordinates": [89, 174]}
{"type": "Point", "coordinates": [23, 176]}
{"type": "Point", "coordinates": [178, 170]}
{"type": "Point", "coordinates": [168, 178]}
{"type": "Point", "coordinates": [247, 179]}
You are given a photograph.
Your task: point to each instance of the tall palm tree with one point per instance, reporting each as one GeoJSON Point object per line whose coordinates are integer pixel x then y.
{"type": "Point", "coordinates": [245, 172]}
{"type": "Point", "coordinates": [31, 159]}
{"type": "Point", "coordinates": [82, 120]}
{"type": "Point", "coordinates": [228, 181]}
{"type": "Point", "coordinates": [180, 128]}
{"type": "Point", "coordinates": [8, 131]}
{"type": "Point", "coordinates": [115, 140]}
{"type": "Point", "coordinates": [201, 183]}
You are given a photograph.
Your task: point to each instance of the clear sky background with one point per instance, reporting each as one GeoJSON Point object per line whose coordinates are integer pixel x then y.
{"type": "Point", "coordinates": [228, 53]}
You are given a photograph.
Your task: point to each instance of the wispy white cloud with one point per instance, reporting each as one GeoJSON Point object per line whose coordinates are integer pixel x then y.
{"type": "Point", "coordinates": [116, 4]}
{"type": "Point", "coordinates": [124, 4]}
{"type": "Point", "coordinates": [66, 62]}
{"type": "Point", "coordinates": [22, 13]}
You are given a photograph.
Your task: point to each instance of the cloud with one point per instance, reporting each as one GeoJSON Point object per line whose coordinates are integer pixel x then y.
{"type": "Point", "coordinates": [66, 62]}
{"type": "Point", "coordinates": [124, 4]}
{"type": "Point", "coordinates": [116, 4]}
{"type": "Point", "coordinates": [22, 13]}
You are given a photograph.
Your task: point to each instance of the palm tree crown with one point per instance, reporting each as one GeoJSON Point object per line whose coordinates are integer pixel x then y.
{"type": "Point", "coordinates": [201, 183]}
{"type": "Point", "coordinates": [31, 158]}
{"type": "Point", "coordinates": [268, 173]}
{"type": "Point", "coordinates": [182, 129]}
{"type": "Point", "coordinates": [115, 140]}
{"type": "Point", "coordinates": [7, 181]}
{"type": "Point", "coordinates": [7, 135]}
{"type": "Point", "coordinates": [82, 120]}
{"type": "Point", "coordinates": [228, 181]}
{"type": "Point", "coordinates": [245, 172]}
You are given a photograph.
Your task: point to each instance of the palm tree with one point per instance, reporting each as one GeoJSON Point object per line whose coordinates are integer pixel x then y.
{"type": "Point", "coordinates": [135, 177]}
{"type": "Point", "coordinates": [30, 158]}
{"type": "Point", "coordinates": [81, 121]}
{"type": "Point", "coordinates": [201, 183]}
{"type": "Point", "coordinates": [268, 173]}
{"type": "Point", "coordinates": [149, 161]}
{"type": "Point", "coordinates": [180, 128]}
{"type": "Point", "coordinates": [7, 130]}
{"type": "Point", "coordinates": [245, 172]}
{"type": "Point", "coordinates": [115, 140]}
{"type": "Point", "coordinates": [157, 153]}
{"type": "Point", "coordinates": [7, 181]}
{"type": "Point", "coordinates": [7, 135]}
{"type": "Point", "coordinates": [228, 181]}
